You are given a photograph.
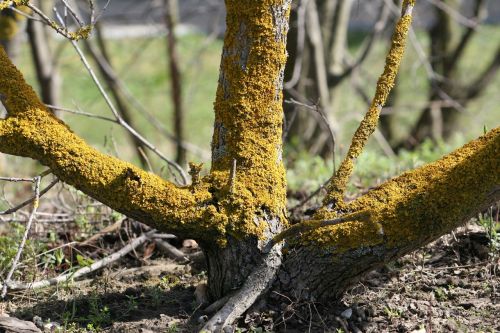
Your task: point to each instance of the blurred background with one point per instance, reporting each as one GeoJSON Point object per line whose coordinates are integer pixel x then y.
{"type": "Point", "coordinates": [158, 61]}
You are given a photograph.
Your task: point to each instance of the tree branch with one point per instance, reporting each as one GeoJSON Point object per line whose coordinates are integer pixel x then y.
{"type": "Point", "coordinates": [485, 77]}
{"type": "Point", "coordinates": [30, 130]}
{"type": "Point", "coordinates": [454, 58]}
{"type": "Point", "coordinates": [336, 189]}
{"type": "Point", "coordinates": [406, 213]}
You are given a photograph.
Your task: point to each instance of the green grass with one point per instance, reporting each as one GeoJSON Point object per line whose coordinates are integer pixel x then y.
{"type": "Point", "coordinates": [142, 65]}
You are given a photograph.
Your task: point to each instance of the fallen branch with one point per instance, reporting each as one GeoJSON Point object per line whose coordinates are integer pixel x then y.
{"type": "Point", "coordinates": [111, 228]}
{"type": "Point", "coordinates": [13, 285]}
{"type": "Point", "coordinates": [172, 251]}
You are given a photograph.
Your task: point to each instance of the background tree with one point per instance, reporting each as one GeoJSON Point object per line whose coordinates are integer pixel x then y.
{"type": "Point", "coordinates": [449, 89]}
{"type": "Point", "coordinates": [237, 212]}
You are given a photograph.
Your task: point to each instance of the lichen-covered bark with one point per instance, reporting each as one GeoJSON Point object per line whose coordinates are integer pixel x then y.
{"type": "Point", "coordinates": [247, 176]}
{"type": "Point", "coordinates": [399, 216]}
{"type": "Point", "coordinates": [248, 116]}
{"type": "Point", "coordinates": [240, 206]}
{"type": "Point", "coordinates": [336, 188]}
{"type": "Point", "coordinates": [30, 130]}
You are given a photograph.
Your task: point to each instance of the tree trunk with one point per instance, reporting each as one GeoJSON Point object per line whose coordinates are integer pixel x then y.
{"type": "Point", "coordinates": [171, 18]}
{"type": "Point", "coordinates": [448, 96]}
{"type": "Point", "coordinates": [247, 162]}
{"type": "Point", "coordinates": [45, 64]}
{"type": "Point", "coordinates": [406, 213]}
{"type": "Point", "coordinates": [238, 209]}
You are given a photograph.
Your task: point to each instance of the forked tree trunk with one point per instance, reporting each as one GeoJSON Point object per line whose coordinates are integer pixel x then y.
{"type": "Point", "coordinates": [247, 140]}
{"type": "Point", "coordinates": [240, 206]}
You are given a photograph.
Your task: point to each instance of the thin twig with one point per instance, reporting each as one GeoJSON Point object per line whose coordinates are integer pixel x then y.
{"type": "Point", "coordinates": [30, 200]}
{"type": "Point", "coordinates": [84, 270]}
{"type": "Point", "coordinates": [82, 32]}
{"type": "Point", "coordinates": [15, 180]}
{"type": "Point", "coordinates": [325, 122]}
{"type": "Point", "coordinates": [118, 117]}
{"type": "Point", "coordinates": [15, 262]}
{"type": "Point", "coordinates": [309, 197]}
{"type": "Point", "coordinates": [301, 29]}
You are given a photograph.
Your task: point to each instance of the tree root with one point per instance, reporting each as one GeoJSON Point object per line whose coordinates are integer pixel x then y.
{"type": "Point", "coordinates": [257, 284]}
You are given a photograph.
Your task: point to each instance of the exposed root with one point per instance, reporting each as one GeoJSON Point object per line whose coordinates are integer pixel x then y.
{"type": "Point", "coordinates": [257, 283]}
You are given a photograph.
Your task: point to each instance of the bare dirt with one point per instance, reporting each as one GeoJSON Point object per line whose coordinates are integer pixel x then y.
{"type": "Point", "coordinates": [452, 285]}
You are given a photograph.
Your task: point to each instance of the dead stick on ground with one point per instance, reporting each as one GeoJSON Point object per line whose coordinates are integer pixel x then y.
{"type": "Point", "coordinates": [84, 270]}
{"type": "Point", "coordinates": [172, 251]}
{"type": "Point", "coordinates": [36, 180]}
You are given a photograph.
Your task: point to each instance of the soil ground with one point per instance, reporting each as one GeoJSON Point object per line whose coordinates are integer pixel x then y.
{"type": "Point", "coordinates": [452, 285]}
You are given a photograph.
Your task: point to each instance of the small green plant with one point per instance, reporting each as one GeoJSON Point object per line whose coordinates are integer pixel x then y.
{"type": "Point", "coordinates": [156, 294]}
{"type": "Point", "coordinates": [441, 294]}
{"type": "Point", "coordinates": [173, 328]}
{"type": "Point", "coordinates": [98, 315]}
{"type": "Point", "coordinates": [392, 313]}
{"type": "Point", "coordinates": [169, 281]}
{"type": "Point", "coordinates": [132, 303]}
{"type": "Point", "coordinates": [83, 224]}
{"type": "Point", "coordinates": [492, 228]}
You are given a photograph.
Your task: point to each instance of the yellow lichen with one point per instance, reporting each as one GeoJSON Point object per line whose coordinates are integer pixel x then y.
{"type": "Point", "coordinates": [248, 116]}
{"type": "Point", "coordinates": [248, 110]}
{"type": "Point", "coordinates": [4, 4]}
{"type": "Point", "coordinates": [421, 204]}
{"type": "Point", "coordinates": [337, 186]}
{"type": "Point", "coordinates": [30, 130]}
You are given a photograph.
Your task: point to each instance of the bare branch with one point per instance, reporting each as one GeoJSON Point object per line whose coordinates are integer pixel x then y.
{"type": "Point", "coordinates": [466, 36]}
{"type": "Point", "coordinates": [30, 200]}
{"type": "Point", "coordinates": [383, 18]}
{"type": "Point", "coordinates": [485, 77]}
{"type": "Point", "coordinates": [118, 117]}
{"type": "Point", "coordinates": [36, 180]}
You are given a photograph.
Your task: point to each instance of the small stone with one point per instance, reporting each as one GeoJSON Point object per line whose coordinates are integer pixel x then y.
{"type": "Point", "coordinates": [145, 330]}
{"type": "Point", "coordinates": [38, 321]}
{"type": "Point", "coordinates": [420, 330]}
{"type": "Point", "coordinates": [202, 319]}
{"type": "Point", "coordinates": [347, 313]}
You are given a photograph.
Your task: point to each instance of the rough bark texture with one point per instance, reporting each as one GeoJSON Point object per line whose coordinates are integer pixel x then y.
{"type": "Point", "coordinates": [249, 177]}
{"type": "Point", "coordinates": [240, 205]}
{"type": "Point", "coordinates": [403, 214]}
